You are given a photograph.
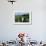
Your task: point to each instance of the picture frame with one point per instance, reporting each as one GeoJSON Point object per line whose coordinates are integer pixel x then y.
{"type": "Point", "coordinates": [22, 18]}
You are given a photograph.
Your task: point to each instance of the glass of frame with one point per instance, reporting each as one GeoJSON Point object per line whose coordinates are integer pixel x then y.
{"type": "Point", "coordinates": [22, 17]}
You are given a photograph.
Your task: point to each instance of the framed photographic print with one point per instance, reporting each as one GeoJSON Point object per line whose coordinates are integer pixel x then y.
{"type": "Point", "coordinates": [22, 17]}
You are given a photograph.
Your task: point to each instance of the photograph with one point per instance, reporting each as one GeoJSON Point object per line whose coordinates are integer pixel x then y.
{"type": "Point", "coordinates": [22, 18]}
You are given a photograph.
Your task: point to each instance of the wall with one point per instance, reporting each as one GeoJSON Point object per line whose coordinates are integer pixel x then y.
{"type": "Point", "coordinates": [9, 31]}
